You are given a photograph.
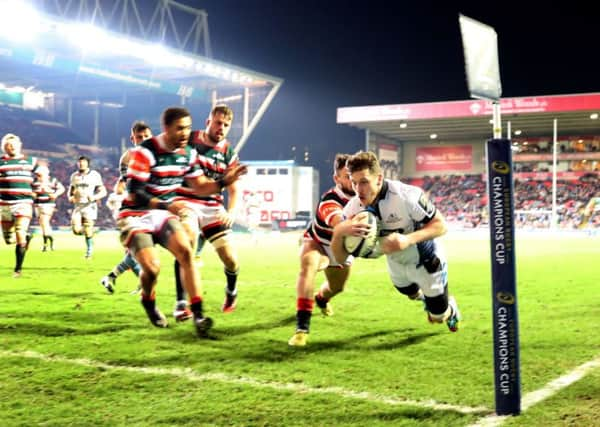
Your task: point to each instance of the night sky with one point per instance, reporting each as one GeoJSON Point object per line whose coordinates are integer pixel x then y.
{"type": "Point", "coordinates": [347, 53]}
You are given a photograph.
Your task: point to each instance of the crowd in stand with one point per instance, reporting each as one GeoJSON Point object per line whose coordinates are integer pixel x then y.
{"type": "Point", "coordinates": [463, 200]}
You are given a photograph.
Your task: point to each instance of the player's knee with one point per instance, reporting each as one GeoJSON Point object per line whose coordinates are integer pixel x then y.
{"type": "Point", "coordinates": [410, 291]}
{"type": "Point", "coordinates": [230, 262]}
{"type": "Point", "coordinates": [151, 269]}
{"type": "Point", "coordinates": [183, 253]}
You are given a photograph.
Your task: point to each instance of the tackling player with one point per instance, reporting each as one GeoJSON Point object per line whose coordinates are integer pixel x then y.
{"type": "Point", "coordinates": [148, 215]}
{"type": "Point", "coordinates": [16, 196]}
{"type": "Point", "coordinates": [410, 224]}
{"type": "Point", "coordinates": [46, 190]}
{"type": "Point", "coordinates": [316, 255]}
{"type": "Point", "coordinates": [85, 190]}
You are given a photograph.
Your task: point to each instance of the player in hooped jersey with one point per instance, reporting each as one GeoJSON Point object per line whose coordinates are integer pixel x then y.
{"type": "Point", "coordinates": [85, 190]}
{"type": "Point", "coordinates": [149, 213]}
{"type": "Point", "coordinates": [140, 131]}
{"type": "Point", "coordinates": [47, 189]}
{"type": "Point", "coordinates": [16, 196]}
{"type": "Point", "coordinates": [215, 157]}
{"type": "Point", "coordinates": [316, 254]}
{"type": "Point", "coordinates": [409, 224]}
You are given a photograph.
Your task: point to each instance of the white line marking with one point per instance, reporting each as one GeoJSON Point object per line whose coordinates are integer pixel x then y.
{"type": "Point", "coordinates": [536, 396]}
{"type": "Point", "coordinates": [189, 374]}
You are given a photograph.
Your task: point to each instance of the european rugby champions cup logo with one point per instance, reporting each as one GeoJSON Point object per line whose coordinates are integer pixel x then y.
{"type": "Point", "coordinates": [505, 298]}
{"type": "Point", "coordinates": [500, 167]}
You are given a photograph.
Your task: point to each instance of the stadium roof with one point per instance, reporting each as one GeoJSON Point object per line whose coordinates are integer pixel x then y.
{"type": "Point", "coordinates": [75, 57]}
{"type": "Point", "coordinates": [81, 60]}
{"type": "Point", "coordinates": [458, 120]}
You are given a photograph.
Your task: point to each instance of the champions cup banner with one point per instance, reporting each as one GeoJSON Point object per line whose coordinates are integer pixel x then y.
{"type": "Point", "coordinates": [446, 158]}
{"type": "Point", "coordinates": [504, 294]}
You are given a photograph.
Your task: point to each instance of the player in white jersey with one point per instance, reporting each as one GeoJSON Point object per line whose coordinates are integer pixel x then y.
{"type": "Point", "coordinates": [409, 224]}
{"type": "Point", "coordinates": [85, 190]}
{"type": "Point", "coordinates": [47, 189]}
{"type": "Point", "coordinates": [140, 131]}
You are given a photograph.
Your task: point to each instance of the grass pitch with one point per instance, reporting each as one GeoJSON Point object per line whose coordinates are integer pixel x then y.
{"type": "Point", "coordinates": [71, 354]}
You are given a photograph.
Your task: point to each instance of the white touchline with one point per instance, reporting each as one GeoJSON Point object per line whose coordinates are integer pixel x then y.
{"type": "Point", "coordinates": [190, 375]}
{"type": "Point", "coordinates": [536, 396]}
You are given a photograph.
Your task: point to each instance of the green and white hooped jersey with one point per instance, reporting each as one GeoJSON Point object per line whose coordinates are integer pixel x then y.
{"type": "Point", "coordinates": [161, 171]}
{"type": "Point", "coordinates": [16, 179]}
{"type": "Point", "coordinates": [214, 162]}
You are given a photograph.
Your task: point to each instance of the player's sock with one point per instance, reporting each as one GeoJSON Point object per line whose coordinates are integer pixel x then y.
{"type": "Point", "coordinates": [89, 243]}
{"type": "Point", "coordinates": [122, 267]}
{"type": "Point", "coordinates": [304, 307]}
{"type": "Point", "coordinates": [231, 281]}
{"type": "Point", "coordinates": [148, 298]}
{"type": "Point", "coordinates": [28, 240]}
{"type": "Point", "coordinates": [51, 240]}
{"type": "Point", "coordinates": [178, 285]}
{"type": "Point", "coordinates": [20, 256]}
{"type": "Point", "coordinates": [196, 307]}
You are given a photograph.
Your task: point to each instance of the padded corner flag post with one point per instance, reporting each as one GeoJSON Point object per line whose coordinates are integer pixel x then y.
{"type": "Point", "coordinates": [507, 377]}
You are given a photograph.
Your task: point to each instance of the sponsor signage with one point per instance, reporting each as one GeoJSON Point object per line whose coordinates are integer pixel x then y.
{"type": "Point", "coordinates": [473, 108]}
{"type": "Point", "coordinates": [446, 158]}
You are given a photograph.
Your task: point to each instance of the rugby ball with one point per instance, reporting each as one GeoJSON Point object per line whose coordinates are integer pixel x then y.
{"type": "Point", "coordinates": [363, 246]}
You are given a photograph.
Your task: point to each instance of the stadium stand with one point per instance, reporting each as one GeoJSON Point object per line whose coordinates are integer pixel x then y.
{"type": "Point", "coordinates": [463, 200]}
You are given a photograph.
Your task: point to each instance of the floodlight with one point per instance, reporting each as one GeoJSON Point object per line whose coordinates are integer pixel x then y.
{"type": "Point", "coordinates": [19, 21]}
